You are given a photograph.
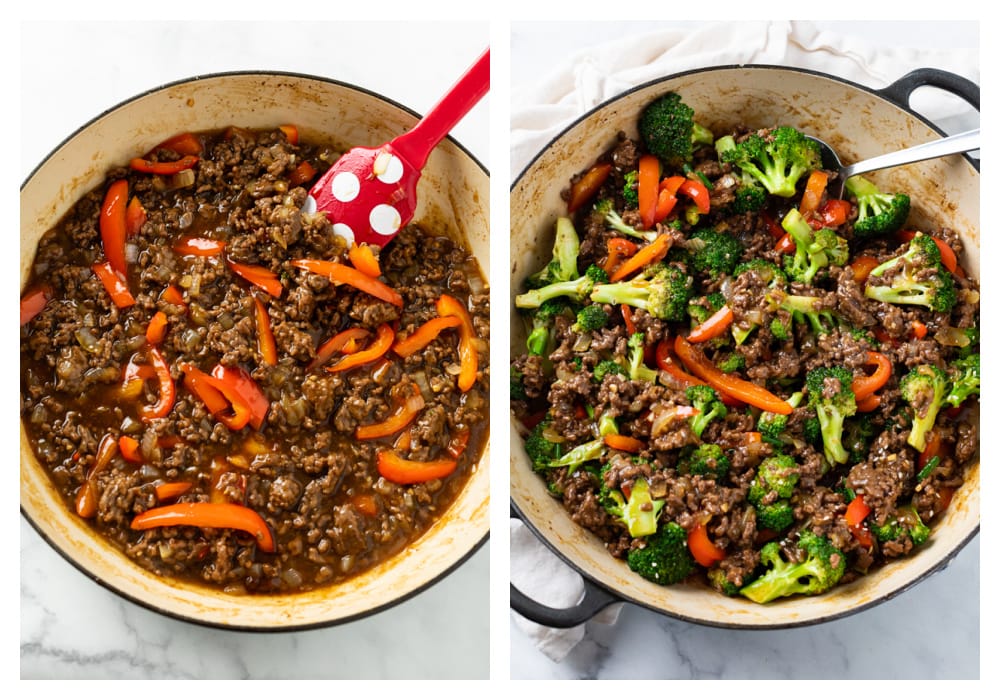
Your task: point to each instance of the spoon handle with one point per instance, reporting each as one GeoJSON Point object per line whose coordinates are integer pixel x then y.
{"type": "Point", "coordinates": [417, 143]}
{"type": "Point", "coordinates": [959, 143]}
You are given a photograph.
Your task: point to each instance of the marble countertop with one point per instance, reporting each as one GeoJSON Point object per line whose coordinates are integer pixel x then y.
{"type": "Point", "coordinates": [931, 631]}
{"type": "Point", "coordinates": [69, 626]}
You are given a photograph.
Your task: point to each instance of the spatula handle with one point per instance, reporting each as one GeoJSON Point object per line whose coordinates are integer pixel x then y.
{"type": "Point", "coordinates": [416, 144]}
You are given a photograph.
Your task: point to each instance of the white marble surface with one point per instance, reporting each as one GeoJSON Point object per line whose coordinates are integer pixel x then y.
{"type": "Point", "coordinates": [930, 632]}
{"type": "Point", "coordinates": [69, 626]}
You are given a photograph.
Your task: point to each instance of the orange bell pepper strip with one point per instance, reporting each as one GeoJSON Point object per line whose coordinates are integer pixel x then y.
{"type": "Point", "coordinates": [398, 470]}
{"type": "Point", "coordinates": [624, 443]}
{"type": "Point", "coordinates": [467, 353]}
{"type": "Point", "coordinates": [813, 194]}
{"type": "Point", "coordinates": [345, 274]}
{"type": "Point", "coordinates": [186, 143]}
{"type": "Point", "coordinates": [115, 284]}
{"type": "Point", "coordinates": [34, 301]}
{"type": "Point", "coordinates": [586, 187]}
{"type": "Point", "coordinates": [405, 413]}
{"type": "Point", "coordinates": [362, 257]}
{"type": "Point", "coordinates": [713, 326]}
{"type": "Point", "coordinates": [704, 551]}
{"type": "Point", "coordinates": [384, 336]}
{"type": "Point", "coordinates": [458, 442]}
{"type": "Point", "coordinates": [87, 498]}
{"type": "Point", "coordinates": [167, 390]}
{"type": "Point", "coordinates": [156, 331]}
{"type": "Point", "coordinates": [291, 133]}
{"type": "Point", "coordinates": [214, 515]}
{"type": "Point", "coordinates": [201, 384]}
{"type": "Point", "coordinates": [266, 345]}
{"type": "Point", "coordinates": [862, 266]}
{"type": "Point", "coordinates": [628, 319]}
{"type": "Point", "coordinates": [647, 255]}
{"type": "Point", "coordinates": [303, 172]}
{"type": "Point", "coordinates": [665, 361]}
{"type": "Point", "coordinates": [172, 489]}
{"type": "Point", "coordinates": [696, 191]}
{"type": "Point", "coordinates": [618, 249]}
{"type": "Point", "coordinates": [738, 388]}
{"type": "Point", "coordinates": [259, 276]}
{"type": "Point", "coordinates": [919, 329]}
{"type": "Point", "coordinates": [233, 380]}
{"type": "Point", "coordinates": [195, 245]}
{"type": "Point", "coordinates": [172, 295]}
{"type": "Point", "coordinates": [112, 225]}
{"type": "Point", "coordinates": [648, 189]}
{"type": "Point", "coordinates": [144, 165]}
{"type": "Point", "coordinates": [129, 447]}
{"type": "Point", "coordinates": [425, 335]}
{"type": "Point", "coordinates": [869, 384]}
{"type": "Point", "coordinates": [365, 504]}
{"type": "Point", "coordinates": [338, 342]}
{"type": "Point", "coordinates": [135, 217]}
{"type": "Point", "coordinates": [869, 403]}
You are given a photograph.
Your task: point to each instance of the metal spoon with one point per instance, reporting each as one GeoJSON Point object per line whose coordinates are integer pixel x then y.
{"type": "Point", "coordinates": [958, 143]}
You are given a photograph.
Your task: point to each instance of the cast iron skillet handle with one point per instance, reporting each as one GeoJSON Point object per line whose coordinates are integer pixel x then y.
{"type": "Point", "coordinates": [595, 599]}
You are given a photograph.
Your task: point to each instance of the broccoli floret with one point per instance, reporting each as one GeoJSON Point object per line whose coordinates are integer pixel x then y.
{"type": "Point", "coordinates": [858, 435]}
{"type": "Point", "coordinates": [706, 400]}
{"type": "Point", "coordinates": [666, 558]}
{"type": "Point", "coordinates": [630, 190]}
{"type": "Point", "coordinates": [669, 131]}
{"type": "Point", "coordinates": [772, 426]}
{"type": "Point", "coordinates": [821, 568]}
{"type": "Point", "coordinates": [814, 250]}
{"type": "Point", "coordinates": [879, 213]}
{"type": "Point", "coordinates": [614, 220]}
{"type": "Point", "coordinates": [638, 512]}
{"type": "Point", "coordinates": [576, 290]}
{"type": "Point", "coordinates": [731, 362]}
{"type": "Point", "coordinates": [517, 392]}
{"type": "Point", "coordinates": [777, 160]}
{"type": "Point", "coordinates": [963, 374]}
{"type": "Point", "coordinates": [973, 345]}
{"type": "Point", "coordinates": [924, 387]}
{"type": "Point", "coordinates": [904, 523]}
{"type": "Point", "coordinates": [914, 277]}
{"type": "Point", "coordinates": [778, 473]}
{"type": "Point", "coordinates": [712, 252]}
{"type": "Point", "coordinates": [592, 317]}
{"type": "Point", "coordinates": [541, 451]}
{"type": "Point", "coordinates": [719, 581]}
{"type": "Point", "coordinates": [606, 367]}
{"type": "Point", "coordinates": [587, 452]}
{"type": "Point", "coordinates": [830, 394]}
{"type": "Point", "coordinates": [777, 516]}
{"type": "Point", "coordinates": [700, 309]}
{"type": "Point", "coordinates": [637, 370]}
{"type": "Point", "coordinates": [562, 267]}
{"type": "Point", "coordinates": [747, 198]}
{"type": "Point", "coordinates": [706, 459]}
{"type": "Point", "coordinates": [812, 431]}
{"type": "Point", "coordinates": [766, 270]}
{"type": "Point", "coordinates": [664, 293]}
{"type": "Point", "coordinates": [540, 340]}
{"type": "Point", "coordinates": [803, 308]}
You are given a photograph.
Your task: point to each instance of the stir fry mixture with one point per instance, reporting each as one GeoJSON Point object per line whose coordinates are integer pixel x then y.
{"type": "Point", "coordinates": [730, 376]}
{"type": "Point", "coordinates": [229, 392]}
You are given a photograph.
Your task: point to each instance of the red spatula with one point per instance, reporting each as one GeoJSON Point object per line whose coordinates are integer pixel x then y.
{"type": "Point", "coordinates": [371, 193]}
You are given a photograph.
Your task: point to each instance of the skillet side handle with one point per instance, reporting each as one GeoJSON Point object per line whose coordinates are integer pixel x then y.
{"type": "Point", "coordinates": [901, 90]}
{"type": "Point", "coordinates": [594, 600]}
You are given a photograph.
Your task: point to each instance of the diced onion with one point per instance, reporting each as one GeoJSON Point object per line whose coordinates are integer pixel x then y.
{"type": "Point", "coordinates": [954, 337]}
{"type": "Point", "coordinates": [87, 340]}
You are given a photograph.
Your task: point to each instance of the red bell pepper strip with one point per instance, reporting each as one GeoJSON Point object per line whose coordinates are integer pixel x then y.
{"type": "Point", "coordinates": [134, 376]}
{"type": "Point", "coordinates": [156, 331]}
{"type": "Point", "coordinates": [948, 257]}
{"type": "Point", "coordinates": [171, 490]}
{"type": "Point", "coordinates": [869, 403]}
{"type": "Point", "coordinates": [919, 329]}
{"type": "Point", "coordinates": [129, 447]}
{"type": "Point", "coordinates": [785, 245]}
{"type": "Point", "coordinates": [585, 188]}
{"type": "Point", "coordinates": [405, 413]}
{"type": "Point", "coordinates": [704, 551]}
{"type": "Point", "coordinates": [713, 326]}
{"type": "Point", "coordinates": [291, 133]}
{"type": "Point", "coordinates": [624, 443]}
{"type": "Point", "coordinates": [696, 191]}
{"type": "Point", "coordinates": [303, 172]}
{"type": "Point", "coordinates": [862, 266]}
{"type": "Point", "coordinates": [813, 194]}
{"type": "Point", "coordinates": [202, 385]}
{"type": "Point", "coordinates": [458, 442]}
{"type": "Point", "coordinates": [649, 254]}
{"type": "Point", "coordinates": [186, 143]}
{"type": "Point", "coordinates": [869, 384]}
{"type": "Point", "coordinates": [195, 245]}
{"type": "Point", "coordinates": [648, 189]}
{"type": "Point", "coordinates": [173, 295]}
{"type": "Point", "coordinates": [365, 504]}
{"type": "Point", "coordinates": [857, 511]}
{"type": "Point", "coordinates": [34, 301]}
{"type": "Point", "coordinates": [144, 165]}
{"type": "Point", "coordinates": [345, 274]}
{"type": "Point", "coordinates": [87, 497]}
{"type": "Point", "coordinates": [425, 335]}
{"type": "Point", "coordinates": [834, 213]}
{"type": "Point", "coordinates": [135, 217]}
{"type": "Point", "coordinates": [384, 336]}
{"type": "Point", "coordinates": [112, 225]}
{"type": "Point", "coordinates": [398, 470]}
{"type": "Point", "coordinates": [114, 283]}
{"type": "Point", "coordinates": [250, 394]}
{"type": "Point", "coordinates": [618, 248]}
{"type": "Point", "coordinates": [467, 353]}
{"type": "Point", "coordinates": [214, 515]}
{"type": "Point", "coordinates": [266, 346]}
{"type": "Point", "coordinates": [741, 389]}
{"type": "Point", "coordinates": [362, 257]}
{"type": "Point", "coordinates": [167, 390]}
{"type": "Point", "coordinates": [337, 342]}
{"type": "Point", "coordinates": [259, 276]}
{"type": "Point", "coordinates": [773, 227]}
{"type": "Point", "coordinates": [628, 319]}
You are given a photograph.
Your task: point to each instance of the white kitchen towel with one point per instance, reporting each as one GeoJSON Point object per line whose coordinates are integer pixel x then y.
{"type": "Point", "coordinates": [590, 77]}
